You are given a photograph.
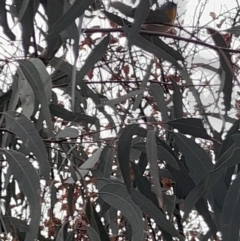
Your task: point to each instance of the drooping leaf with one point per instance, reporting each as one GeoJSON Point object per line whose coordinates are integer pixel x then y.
{"type": "Point", "coordinates": [95, 55]}
{"type": "Point", "coordinates": [106, 161]}
{"type": "Point", "coordinates": [26, 20]}
{"type": "Point", "coordinates": [226, 67]}
{"type": "Point", "coordinates": [165, 155]}
{"type": "Point", "coordinates": [75, 11]}
{"type": "Point", "coordinates": [29, 184]}
{"type": "Point", "coordinates": [118, 20]}
{"type": "Point", "coordinates": [186, 185]}
{"type": "Point", "coordinates": [4, 23]}
{"type": "Point", "coordinates": [228, 141]}
{"type": "Point", "coordinates": [155, 213]}
{"type": "Point", "coordinates": [82, 171]}
{"type": "Point", "coordinates": [92, 234]}
{"type": "Point", "coordinates": [117, 196]}
{"type": "Point", "coordinates": [138, 100]}
{"type": "Point", "coordinates": [127, 10]}
{"type": "Point", "coordinates": [62, 232]}
{"type": "Point", "coordinates": [229, 158]}
{"type": "Point", "coordinates": [231, 212]}
{"type": "Point", "coordinates": [151, 149]}
{"type": "Point", "coordinates": [140, 14]}
{"type": "Point", "coordinates": [162, 45]}
{"type": "Point", "coordinates": [35, 80]}
{"type": "Point", "coordinates": [22, 9]}
{"type": "Point", "coordinates": [95, 221]}
{"type": "Point", "coordinates": [26, 96]}
{"type": "Point", "coordinates": [192, 198]}
{"type": "Point", "coordinates": [190, 126]}
{"type": "Point", "coordinates": [146, 45]}
{"type": "Point", "coordinates": [24, 129]}
{"type": "Point", "coordinates": [123, 153]}
{"type": "Point", "coordinates": [197, 160]}
{"type": "Point", "coordinates": [158, 95]}
{"type": "Point", "coordinates": [144, 185]}
{"type": "Point", "coordinates": [45, 77]}
{"type": "Point", "coordinates": [12, 222]}
{"type": "Point", "coordinates": [177, 101]}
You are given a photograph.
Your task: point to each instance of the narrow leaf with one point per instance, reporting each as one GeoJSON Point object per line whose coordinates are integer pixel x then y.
{"type": "Point", "coordinates": [92, 234]}
{"type": "Point", "coordinates": [192, 199]}
{"type": "Point", "coordinates": [29, 184]}
{"type": "Point", "coordinates": [121, 99]}
{"type": "Point", "coordinates": [34, 78]}
{"type": "Point", "coordinates": [95, 55]}
{"type": "Point", "coordinates": [177, 100]}
{"type": "Point", "coordinates": [67, 115]}
{"type": "Point", "coordinates": [95, 221]}
{"type": "Point", "coordinates": [123, 153]}
{"type": "Point", "coordinates": [158, 94]}
{"type": "Point", "coordinates": [67, 132]}
{"type": "Point", "coordinates": [226, 67]}
{"type": "Point", "coordinates": [76, 10]}
{"type": "Point", "coordinates": [24, 129]}
{"type": "Point", "coordinates": [190, 126]}
{"type": "Point", "coordinates": [197, 160]}
{"type": "Point", "coordinates": [4, 23]}
{"type": "Point", "coordinates": [127, 10]}
{"type": "Point", "coordinates": [155, 213]}
{"type": "Point", "coordinates": [234, 30]}
{"type": "Point", "coordinates": [140, 15]}
{"type": "Point", "coordinates": [138, 100]}
{"type": "Point", "coordinates": [106, 161]}
{"type": "Point", "coordinates": [117, 196]}
{"type": "Point", "coordinates": [231, 212]}
{"type": "Point", "coordinates": [162, 45]}
{"type": "Point", "coordinates": [152, 159]}
{"type": "Point", "coordinates": [86, 166]}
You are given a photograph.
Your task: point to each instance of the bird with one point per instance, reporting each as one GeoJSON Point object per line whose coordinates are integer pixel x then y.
{"type": "Point", "coordinates": [161, 19]}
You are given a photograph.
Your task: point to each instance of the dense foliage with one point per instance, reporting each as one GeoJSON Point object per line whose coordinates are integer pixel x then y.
{"type": "Point", "coordinates": [109, 132]}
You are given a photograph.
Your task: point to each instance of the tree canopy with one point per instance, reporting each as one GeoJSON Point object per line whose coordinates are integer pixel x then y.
{"type": "Point", "coordinates": [113, 132]}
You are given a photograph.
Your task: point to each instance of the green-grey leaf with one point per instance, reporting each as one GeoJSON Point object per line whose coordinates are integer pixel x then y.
{"type": "Point", "coordinates": [95, 55]}
{"type": "Point", "coordinates": [197, 160]}
{"type": "Point", "coordinates": [155, 213]}
{"type": "Point", "coordinates": [120, 99]}
{"type": "Point", "coordinates": [190, 126]}
{"type": "Point", "coordinates": [140, 15]}
{"type": "Point", "coordinates": [92, 234]}
{"type": "Point", "coordinates": [151, 149]}
{"type": "Point", "coordinates": [117, 196]}
{"type": "Point", "coordinates": [231, 212]}
{"type": "Point", "coordinates": [123, 151]}
{"type": "Point", "coordinates": [234, 30]}
{"type": "Point", "coordinates": [138, 100]}
{"type": "Point", "coordinates": [34, 78]}
{"type": "Point", "coordinates": [76, 10]}
{"type": "Point", "coordinates": [158, 95]}
{"type": "Point", "coordinates": [177, 100]}
{"type": "Point", "coordinates": [127, 10]}
{"type": "Point", "coordinates": [67, 132]}
{"type": "Point", "coordinates": [29, 184]}
{"type": "Point", "coordinates": [86, 166]}
{"type": "Point", "coordinates": [24, 129]}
